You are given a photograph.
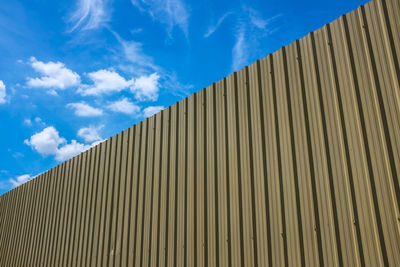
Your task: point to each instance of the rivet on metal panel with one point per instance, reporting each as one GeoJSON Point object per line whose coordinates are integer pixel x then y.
{"type": "Point", "coordinates": [354, 222]}
{"type": "Point", "coordinates": [315, 228]}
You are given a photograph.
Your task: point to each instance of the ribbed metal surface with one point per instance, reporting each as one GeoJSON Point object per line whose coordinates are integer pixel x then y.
{"type": "Point", "coordinates": [292, 161]}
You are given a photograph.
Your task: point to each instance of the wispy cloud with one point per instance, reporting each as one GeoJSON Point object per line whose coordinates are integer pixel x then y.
{"type": "Point", "coordinates": [141, 65]}
{"type": "Point", "coordinates": [85, 110]}
{"type": "Point", "coordinates": [213, 28]}
{"type": "Point", "coordinates": [240, 50]}
{"type": "Point", "coordinates": [2, 92]}
{"type": "Point", "coordinates": [251, 28]}
{"type": "Point", "coordinates": [90, 14]}
{"type": "Point", "coordinates": [169, 12]}
{"type": "Point", "coordinates": [261, 23]}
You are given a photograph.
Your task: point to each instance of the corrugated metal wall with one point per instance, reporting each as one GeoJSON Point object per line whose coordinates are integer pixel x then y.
{"type": "Point", "coordinates": [292, 161]}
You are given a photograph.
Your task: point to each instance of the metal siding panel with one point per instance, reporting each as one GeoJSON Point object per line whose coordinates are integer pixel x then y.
{"type": "Point", "coordinates": [180, 213]}
{"type": "Point", "coordinates": [122, 202]}
{"type": "Point", "coordinates": [156, 191]}
{"type": "Point", "coordinates": [128, 195]}
{"type": "Point", "coordinates": [144, 247]}
{"type": "Point", "coordinates": [116, 177]}
{"type": "Point", "coordinates": [191, 183]}
{"type": "Point", "coordinates": [135, 193]}
{"type": "Point", "coordinates": [222, 177]}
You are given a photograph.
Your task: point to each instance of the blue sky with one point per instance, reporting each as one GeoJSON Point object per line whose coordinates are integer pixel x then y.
{"type": "Point", "coordinates": [73, 73]}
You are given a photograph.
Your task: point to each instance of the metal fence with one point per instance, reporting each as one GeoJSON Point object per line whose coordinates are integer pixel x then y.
{"type": "Point", "coordinates": [292, 161]}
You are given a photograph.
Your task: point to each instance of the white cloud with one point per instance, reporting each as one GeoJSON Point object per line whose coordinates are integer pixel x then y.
{"type": "Point", "coordinates": [19, 180]}
{"type": "Point", "coordinates": [146, 87]}
{"type": "Point", "coordinates": [240, 50]}
{"type": "Point", "coordinates": [151, 110]}
{"type": "Point", "coordinates": [46, 142]}
{"type": "Point", "coordinates": [2, 92]}
{"type": "Point", "coordinates": [105, 81]}
{"type": "Point", "coordinates": [124, 106]}
{"type": "Point", "coordinates": [84, 110]}
{"type": "Point", "coordinates": [90, 14]}
{"type": "Point", "coordinates": [55, 75]}
{"type": "Point", "coordinates": [91, 133]}
{"type": "Point", "coordinates": [170, 12]}
{"type": "Point", "coordinates": [70, 150]}
{"type": "Point", "coordinates": [213, 28]}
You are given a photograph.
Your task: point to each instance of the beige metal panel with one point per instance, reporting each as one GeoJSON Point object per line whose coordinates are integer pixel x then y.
{"type": "Point", "coordinates": [116, 177]}
{"type": "Point", "coordinates": [234, 193]}
{"type": "Point", "coordinates": [200, 210]}
{"type": "Point", "coordinates": [371, 126]}
{"type": "Point", "coordinates": [35, 230]}
{"type": "Point", "coordinates": [321, 159]}
{"type": "Point", "coordinates": [47, 220]}
{"type": "Point", "coordinates": [141, 193]}
{"type": "Point", "coordinates": [161, 230]}
{"type": "Point", "coordinates": [190, 182]}
{"type": "Point", "coordinates": [61, 178]}
{"type": "Point", "coordinates": [101, 207]}
{"type": "Point", "coordinates": [135, 193]}
{"type": "Point", "coordinates": [79, 206]}
{"type": "Point", "coordinates": [110, 182]}
{"type": "Point", "coordinates": [387, 186]}
{"type": "Point", "coordinates": [171, 187]}
{"type": "Point", "coordinates": [122, 196]}
{"type": "Point", "coordinates": [62, 221]}
{"type": "Point", "coordinates": [129, 137]}
{"type": "Point", "coordinates": [209, 178]}
{"type": "Point", "coordinates": [259, 159]}
{"type": "Point", "coordinates": [156, 191]}
{"type": "Point", "coordinates": [356, 126]}
{"type": "Point", "coordinates": [74, 212]}
{"type": "Point", "coordinates": [98, 154]}
{"type": "Point", "coordinates": [289, 172]}
{"type": "Point", "coordinates": [89, 204]}
{"type": "Point", "coordinates": [246, 175]}
{"type": "Point", "coordinates": [273, 162]}
{"type": "Point", "coordinates": [147, 170]}
{"type": "Point", "coordinates": [180, 201]}
{"type": "Point", "coordinates": [85, 173]}
{"type": "Point", "coordinates": [337, 146]}
{"type": "Point", "coordinates": [222, 185]}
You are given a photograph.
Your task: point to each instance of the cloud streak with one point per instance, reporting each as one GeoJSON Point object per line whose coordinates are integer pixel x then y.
{"type": "Point", "coordinates": [90, 15]}
{"type": "Point", "coordinates": [213, 28]}
{"type": "Point", "coordinates": [2, 92]}
{"type": "Point", "coordinates": [172, 13]}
